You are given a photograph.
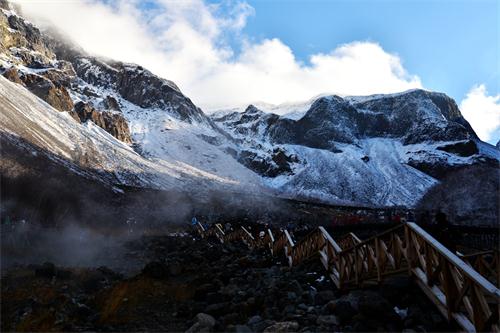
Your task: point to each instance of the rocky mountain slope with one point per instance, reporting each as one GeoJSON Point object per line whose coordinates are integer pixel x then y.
{"type": "Point", "coordinates": [123, 125]}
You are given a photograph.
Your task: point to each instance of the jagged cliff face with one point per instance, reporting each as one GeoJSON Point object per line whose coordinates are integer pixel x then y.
{"type": "Point", "coordinates": [142, 131]}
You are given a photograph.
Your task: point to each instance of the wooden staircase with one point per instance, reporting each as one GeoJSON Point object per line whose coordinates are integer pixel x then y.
{"type": "Point", "coordinates": [464, 289]}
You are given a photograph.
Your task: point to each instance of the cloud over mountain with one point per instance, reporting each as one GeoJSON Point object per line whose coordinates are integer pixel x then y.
{"type": "Point", "coordinates": [203, 49]}
{"type": "Point", "coordinates": [482, 111]}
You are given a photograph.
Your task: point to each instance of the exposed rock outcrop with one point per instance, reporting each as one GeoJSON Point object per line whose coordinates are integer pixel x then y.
{"type": "Point", "coordinates": [110, 103]}
{"type": "Point", "coordinates": [57, 77]}
{"type": "Point", "coordinates": [4, 4]}
{"type": "Point", "coordinates": [113, 123]}
{"type": "Point", "coordinates": [24, 41]}
{"type": "Point", "coordinates": [12, 74]}
{"type": "Point", "coordinates": [464, 148]}
{"type": "Point", "coordinates": [279, 162]}
{"type": "Point", "coordinates": [56, 95]}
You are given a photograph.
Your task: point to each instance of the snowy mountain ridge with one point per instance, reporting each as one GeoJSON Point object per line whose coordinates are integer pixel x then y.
{"type": "Point", "coordinates": [393, 147]}
{"type": "Point", "coordinates": [138, 129]}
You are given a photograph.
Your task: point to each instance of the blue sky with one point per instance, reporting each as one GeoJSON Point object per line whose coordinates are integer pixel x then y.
{"type": "Point", "coordinates": [450, 45]}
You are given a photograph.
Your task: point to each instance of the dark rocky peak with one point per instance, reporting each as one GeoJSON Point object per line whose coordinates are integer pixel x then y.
{"type": "Point", "coordinates": [328, 108]}
{"type": "Point", "coordinates": [498, 144]}
{"type": "Point", "coordinates": [251, 109]}
{"type": "Point", "coordinates": [253, 114]}
{"type": "Point", "coordinates": [328, 119]}
{"type": "Point", "coordinates": [417, 104]}
{"type": "Point", "coordinates": [139, 86]}
{"type": "Point", "coordinates": [415, 116]}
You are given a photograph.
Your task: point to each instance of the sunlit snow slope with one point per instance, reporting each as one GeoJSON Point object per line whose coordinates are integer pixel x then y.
{"type": "Point", "coordinates": [90, 148]}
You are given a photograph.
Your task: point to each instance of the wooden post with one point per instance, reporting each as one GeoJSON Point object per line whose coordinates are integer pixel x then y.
{"type": "Point", "coordinates": [379, 260]}
{"type": "Point", "coordinates": [409, 250]}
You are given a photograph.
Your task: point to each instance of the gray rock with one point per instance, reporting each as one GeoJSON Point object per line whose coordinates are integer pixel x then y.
{"type": "Point", "coordinates": [328, 320]}
{"type": "Point", "coordinates": [205, 320]}
{"type": "Point", "coordinates": [242, 329]}
{"type": "Point", "coordinates": [282, 327]}
{"type": "Point", "coordinates": [254, 320]}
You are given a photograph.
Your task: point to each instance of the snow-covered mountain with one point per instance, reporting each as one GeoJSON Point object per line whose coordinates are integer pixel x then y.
{"type": "Point", "coordinates": [123, 125]}
{"type": "Point", "coordinates": [380, 150]}
{"type": "Point", "coordinates": [93, 109]}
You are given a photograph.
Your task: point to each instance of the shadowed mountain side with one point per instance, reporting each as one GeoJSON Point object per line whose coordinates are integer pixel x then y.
{"type": "Point", "coordinates": [470, 196]}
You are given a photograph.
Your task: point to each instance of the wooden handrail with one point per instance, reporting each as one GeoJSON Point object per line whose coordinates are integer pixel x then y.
{"type": "Point", "coordinates": [289, 239]}
{"type": "Point", "coordinates": [271, 237]}
{"type": "Point", "coordinates": [371, 239]}
{"type": "Point", "coordinates": [457, 289]}
{"type": "Point", "coordinates": [330, 240]}
{"type": "Point", "coordinates": [456, 261]}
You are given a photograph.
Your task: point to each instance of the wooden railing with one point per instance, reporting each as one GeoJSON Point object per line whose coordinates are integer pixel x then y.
{"type": "Point", "coordinates": [460, 292]}
{"type": "Point", "coordinates": [487, 263]}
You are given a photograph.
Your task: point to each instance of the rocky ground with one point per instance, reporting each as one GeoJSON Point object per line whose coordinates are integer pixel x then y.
{"type": "Point", "coordinates": [185, 284]}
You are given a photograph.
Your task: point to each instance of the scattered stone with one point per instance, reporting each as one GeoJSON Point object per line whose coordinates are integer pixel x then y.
{"type": "Point", "coordinates": [204, 323]}
{"type": "Point", "coordinates": [110, 103]}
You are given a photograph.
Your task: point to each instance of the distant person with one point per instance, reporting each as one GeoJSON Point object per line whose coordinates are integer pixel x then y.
{"type": "Point", "coordinates": [228, 227]}
{"type": "Point", "coordinates": [444, 233]}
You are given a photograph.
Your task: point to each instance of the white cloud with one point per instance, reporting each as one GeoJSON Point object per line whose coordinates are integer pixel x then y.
{"type": "Point", "coordinates": [482, 111]}
{"type": "Point", "coordinates": [189, 42]}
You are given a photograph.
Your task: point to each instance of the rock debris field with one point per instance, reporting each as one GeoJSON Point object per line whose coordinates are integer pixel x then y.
{"type": "Point", "coordinates": [186, 284]}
